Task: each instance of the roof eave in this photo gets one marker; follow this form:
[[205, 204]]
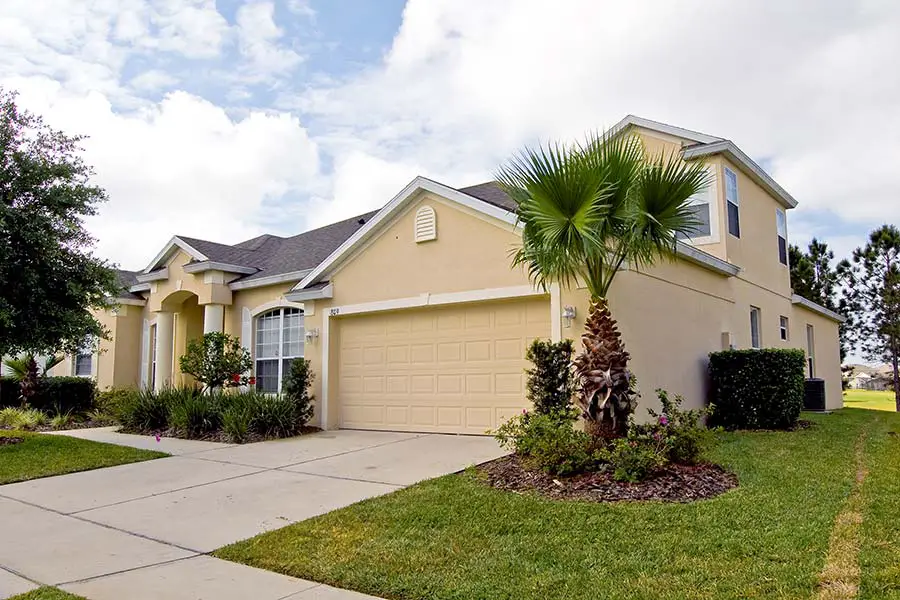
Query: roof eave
[[635, 121], [157, 275], [326, 291], [817, 308], [211, 265], [269, 280], [175, 242], [704, 259], [747, 165]]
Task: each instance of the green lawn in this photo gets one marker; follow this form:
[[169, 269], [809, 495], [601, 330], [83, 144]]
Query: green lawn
[[455, 538], [43, 455], [871, 400], [46, 593]]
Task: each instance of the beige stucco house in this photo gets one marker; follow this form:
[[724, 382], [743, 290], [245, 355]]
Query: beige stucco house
[[414, 320]]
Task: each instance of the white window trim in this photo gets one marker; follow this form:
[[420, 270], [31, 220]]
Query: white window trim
[[712, 200], [784, 325], [737, 200], [280, 358], [811, 350]]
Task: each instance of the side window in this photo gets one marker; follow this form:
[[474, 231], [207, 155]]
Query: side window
[[784, 328], [733, 203], [781, 226], [755, 338]]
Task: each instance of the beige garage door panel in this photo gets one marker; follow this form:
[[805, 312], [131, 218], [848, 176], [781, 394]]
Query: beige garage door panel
[[454, 369]]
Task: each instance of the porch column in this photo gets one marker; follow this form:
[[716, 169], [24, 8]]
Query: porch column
[[213, 318], [164, 341]]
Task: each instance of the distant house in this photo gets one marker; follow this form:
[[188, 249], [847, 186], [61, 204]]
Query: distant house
[[859, 381], [864, 377]]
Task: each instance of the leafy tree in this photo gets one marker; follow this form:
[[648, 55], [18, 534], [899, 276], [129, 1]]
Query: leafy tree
[[814, 277], [873, 300], [216, 360], [586, 210], [49, 279]]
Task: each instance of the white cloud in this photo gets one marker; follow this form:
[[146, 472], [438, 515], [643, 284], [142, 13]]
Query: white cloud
[[152, 80], [812, 88], [179, 167], [258, 37]]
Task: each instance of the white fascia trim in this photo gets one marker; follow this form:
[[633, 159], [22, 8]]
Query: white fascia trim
[[632, 120], [705, 259], [316, 294], [211, 265], [415, 186], [426, 299], [270, 280], [817, 308], [140, 287], [747, 165], [173, 243], [157, 275]]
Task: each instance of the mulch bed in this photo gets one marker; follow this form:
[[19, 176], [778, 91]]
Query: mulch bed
[[9, 440], [677, 483]]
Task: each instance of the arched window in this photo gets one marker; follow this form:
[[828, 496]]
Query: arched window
[[279, 340]]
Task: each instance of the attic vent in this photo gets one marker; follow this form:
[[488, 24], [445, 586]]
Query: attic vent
[[426, 224]]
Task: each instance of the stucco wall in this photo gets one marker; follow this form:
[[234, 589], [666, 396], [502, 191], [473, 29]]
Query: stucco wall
[[827, 350]]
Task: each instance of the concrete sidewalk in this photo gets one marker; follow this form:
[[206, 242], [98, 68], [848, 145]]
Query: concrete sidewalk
[[143, 530]]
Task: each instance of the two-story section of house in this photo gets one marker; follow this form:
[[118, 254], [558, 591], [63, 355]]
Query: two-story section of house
[[413, 318]]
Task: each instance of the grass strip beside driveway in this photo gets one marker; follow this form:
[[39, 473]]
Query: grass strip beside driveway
[[454, 537], [47, 593], [43, 455]]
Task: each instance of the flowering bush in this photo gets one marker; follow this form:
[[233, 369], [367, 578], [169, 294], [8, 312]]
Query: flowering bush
[[686, 438], [548, 442]]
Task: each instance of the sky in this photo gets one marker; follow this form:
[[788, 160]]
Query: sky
[[226, 119]]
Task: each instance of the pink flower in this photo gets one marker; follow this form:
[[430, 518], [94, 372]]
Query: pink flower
[[663, 420], [158, 438]]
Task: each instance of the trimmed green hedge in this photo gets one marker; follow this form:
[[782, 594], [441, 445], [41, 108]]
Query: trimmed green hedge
[[757, 389], [63, 394]]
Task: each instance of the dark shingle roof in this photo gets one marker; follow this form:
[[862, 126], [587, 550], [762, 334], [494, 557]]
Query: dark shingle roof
[[274, 255], [126, 280], [492, 193]]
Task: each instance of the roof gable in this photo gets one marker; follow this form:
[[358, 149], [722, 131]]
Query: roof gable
[[394, 208]]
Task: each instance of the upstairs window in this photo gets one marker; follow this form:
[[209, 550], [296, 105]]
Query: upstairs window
[[784, 328], [732, 203], [781, 226]]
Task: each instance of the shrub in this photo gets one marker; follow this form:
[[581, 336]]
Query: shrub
[[236, 421], [551, 383], [61, 420], [687, 439], [53, 394], [194, 415], [548, 442], [216, 360], [757, 389], [22, 418], [107, 402], [143, 411], [272, 416], [636, 457], [296, 389]]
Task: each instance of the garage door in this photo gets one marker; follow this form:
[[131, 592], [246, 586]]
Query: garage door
[[450, 369]]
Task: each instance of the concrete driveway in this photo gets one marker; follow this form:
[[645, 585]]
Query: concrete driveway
[[143, 530]]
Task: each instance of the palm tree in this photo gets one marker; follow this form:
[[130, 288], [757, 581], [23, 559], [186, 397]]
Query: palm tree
[[586, 210], [26, 372]]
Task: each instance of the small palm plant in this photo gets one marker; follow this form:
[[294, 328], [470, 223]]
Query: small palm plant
[[586, 210], [27, 373]]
